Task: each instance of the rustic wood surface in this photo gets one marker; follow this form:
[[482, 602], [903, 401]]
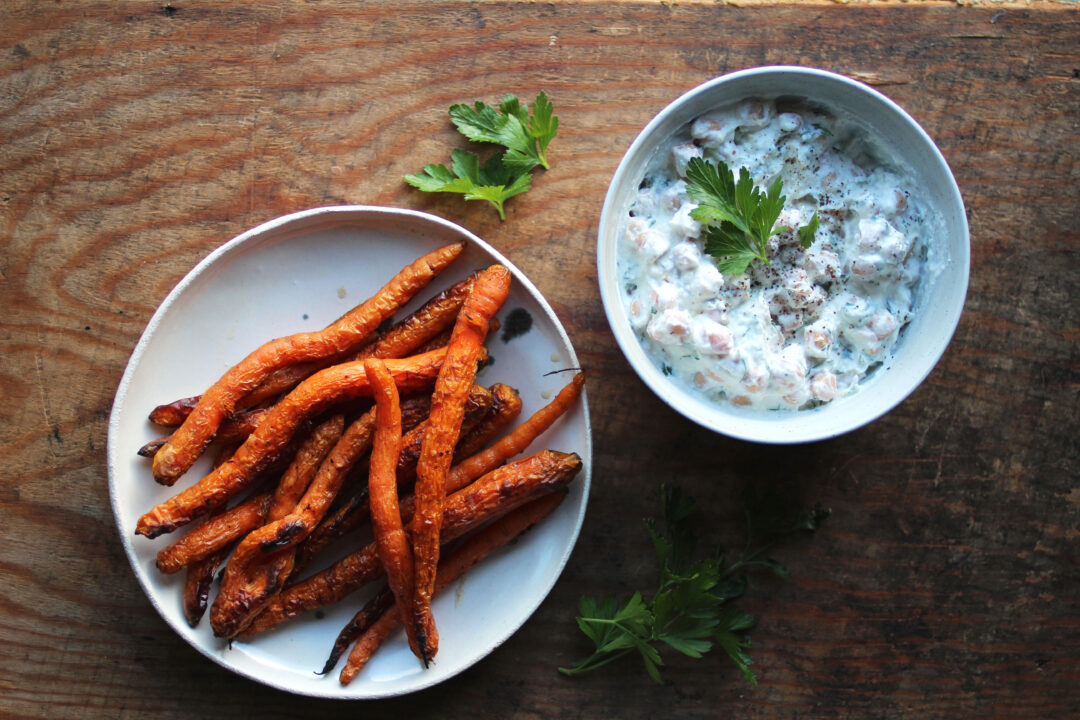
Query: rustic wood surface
[[137, 137]]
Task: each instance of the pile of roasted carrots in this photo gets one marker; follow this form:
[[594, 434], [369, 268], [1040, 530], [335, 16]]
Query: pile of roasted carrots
[[308, 459]]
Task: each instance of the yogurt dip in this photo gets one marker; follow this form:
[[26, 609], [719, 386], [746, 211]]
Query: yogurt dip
[[814, 323]]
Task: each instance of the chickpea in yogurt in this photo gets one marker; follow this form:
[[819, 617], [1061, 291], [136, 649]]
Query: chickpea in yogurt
[[810, 325]]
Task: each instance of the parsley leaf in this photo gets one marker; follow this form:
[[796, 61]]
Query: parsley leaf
[[691, 610], [731, 636], [729, 246], [506, 174], [806, 232], [739, 217], [492, 182], [543, 125], [525, 138]]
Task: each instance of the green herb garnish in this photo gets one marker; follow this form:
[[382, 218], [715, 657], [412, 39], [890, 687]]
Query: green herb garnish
[[524, 133], [806, 232], [526, 138], [739, 218], [691, 610]]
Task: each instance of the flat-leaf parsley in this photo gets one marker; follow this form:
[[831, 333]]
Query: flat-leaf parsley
[[738, 217], [691, 611], [525, 134]]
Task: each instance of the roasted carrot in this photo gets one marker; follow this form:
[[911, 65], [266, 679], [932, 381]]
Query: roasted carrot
[[313, 396], [447, 409], [285, 379], [457, 563], [443, 338], [440, 340], [406, 337], [351, 514], [414, 410], [426, 329], [149, 449], [294, 482], [518, 439], [478, 404], [392, 545], [266, 557], [505, 408], [188, 442], [324, 588], [365, 617], [200, 574], [218, 532], [493, 495], [354, 512], [428, 322], [236, 428], [173, 414], [282, 380]]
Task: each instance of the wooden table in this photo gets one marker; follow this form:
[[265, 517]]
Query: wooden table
[[137, 137]]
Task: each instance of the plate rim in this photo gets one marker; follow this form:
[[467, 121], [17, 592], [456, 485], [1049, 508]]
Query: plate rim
[[344, 212]]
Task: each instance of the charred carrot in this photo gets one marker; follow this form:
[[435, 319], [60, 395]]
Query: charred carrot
[[191, 438], [440, 340], [365, 617], [314, 395], [477, 405], [235, 429], [392, 545], [428, 322], [463, 558], [218, 532], [518, 439], [173, 414], [268, 574], [196, 592], [285, 379], [406, 337], [447, 409], [200, 574], [296, 479], [493, 495], [505, 408]]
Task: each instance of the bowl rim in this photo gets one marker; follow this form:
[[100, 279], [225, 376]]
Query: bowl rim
[[755, 426]]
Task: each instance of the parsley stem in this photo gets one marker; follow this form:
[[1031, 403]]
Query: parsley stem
[[588, 664]]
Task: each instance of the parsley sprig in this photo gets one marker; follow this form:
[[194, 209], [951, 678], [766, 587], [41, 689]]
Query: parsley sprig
[[524, 132], [691, 611], [739, 217]]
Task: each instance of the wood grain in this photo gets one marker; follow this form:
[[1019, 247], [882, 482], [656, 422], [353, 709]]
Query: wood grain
[[137, 137]]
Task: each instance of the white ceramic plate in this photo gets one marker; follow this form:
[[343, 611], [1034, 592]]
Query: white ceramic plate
[[301, 272]]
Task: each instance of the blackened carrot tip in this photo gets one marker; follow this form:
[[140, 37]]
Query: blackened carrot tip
[[422, 642]]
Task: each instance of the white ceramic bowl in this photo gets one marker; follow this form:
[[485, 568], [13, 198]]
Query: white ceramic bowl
[[922, 341], [300, 272]]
